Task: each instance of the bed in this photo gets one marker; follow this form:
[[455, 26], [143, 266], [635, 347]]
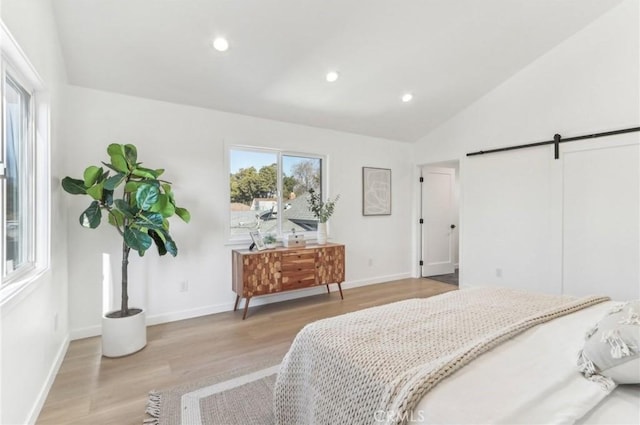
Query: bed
[[527, 374]]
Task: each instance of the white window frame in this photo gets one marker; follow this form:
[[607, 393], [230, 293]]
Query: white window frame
[[15, 63], [233, 239]]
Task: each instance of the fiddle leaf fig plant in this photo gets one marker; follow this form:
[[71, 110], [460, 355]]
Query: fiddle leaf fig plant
[[136, 202]]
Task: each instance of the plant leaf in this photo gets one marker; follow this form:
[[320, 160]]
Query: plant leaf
[[131, 155], [150, 220], [137, 240], [119, 164], [167, 190], [162, 250], [127, 210], [145, 173], [111, 167], [184, 214], [115, 149], [131, 186], [114, 181], [146, 196], [95, 191], [107, 197], [118, 161], [91, 216], [159, 172], [163, 206], [116, 218], [73, 186], [170, 245], [91, 175]]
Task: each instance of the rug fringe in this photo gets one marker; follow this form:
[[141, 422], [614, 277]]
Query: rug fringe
[[153, 408]]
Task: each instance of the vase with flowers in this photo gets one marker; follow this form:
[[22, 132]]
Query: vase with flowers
[[322, 210]]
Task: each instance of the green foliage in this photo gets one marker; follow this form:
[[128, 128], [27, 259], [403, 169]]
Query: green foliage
[[288, 185], [144, 205], [269, 238], [248, 183], [74, 186], [321, 210]]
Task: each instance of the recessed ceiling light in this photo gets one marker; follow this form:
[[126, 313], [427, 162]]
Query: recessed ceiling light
[[221, 44], [332, 76], [407, 97]]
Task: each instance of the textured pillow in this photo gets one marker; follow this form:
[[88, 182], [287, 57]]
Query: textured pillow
[[611, 351]]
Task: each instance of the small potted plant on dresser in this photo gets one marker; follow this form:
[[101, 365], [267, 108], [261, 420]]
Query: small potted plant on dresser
[[269, 240], [140, 216], [322, 211]]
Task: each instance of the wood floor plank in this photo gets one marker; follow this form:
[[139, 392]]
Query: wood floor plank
[[91, 389]]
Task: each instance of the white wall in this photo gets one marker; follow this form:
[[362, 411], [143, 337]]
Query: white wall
[[31, 347], [190, 143], [512, 203]]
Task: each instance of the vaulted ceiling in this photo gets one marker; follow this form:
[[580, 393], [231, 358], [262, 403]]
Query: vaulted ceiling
[[447, 53]]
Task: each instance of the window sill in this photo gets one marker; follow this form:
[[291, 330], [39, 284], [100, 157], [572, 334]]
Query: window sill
[[311, 238], [13, 293]]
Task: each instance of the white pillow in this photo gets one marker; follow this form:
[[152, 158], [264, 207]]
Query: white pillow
[[612, 348]]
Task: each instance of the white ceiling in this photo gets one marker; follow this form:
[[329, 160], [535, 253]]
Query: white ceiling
[[447, 53]]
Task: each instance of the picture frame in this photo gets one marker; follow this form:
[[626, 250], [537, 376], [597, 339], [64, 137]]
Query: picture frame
[[376, 191], [256, 237]]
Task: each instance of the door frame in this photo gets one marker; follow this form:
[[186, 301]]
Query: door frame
[[453, 164]]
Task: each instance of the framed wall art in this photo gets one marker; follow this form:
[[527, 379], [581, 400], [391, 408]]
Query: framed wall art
[[376, 191]]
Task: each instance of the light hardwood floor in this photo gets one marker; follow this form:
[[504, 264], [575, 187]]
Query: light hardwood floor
[[91, 389]]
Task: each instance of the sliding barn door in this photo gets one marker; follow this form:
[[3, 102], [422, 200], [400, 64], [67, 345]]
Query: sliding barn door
[[601, 221]]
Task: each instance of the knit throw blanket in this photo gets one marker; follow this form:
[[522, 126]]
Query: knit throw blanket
[[374, 365]]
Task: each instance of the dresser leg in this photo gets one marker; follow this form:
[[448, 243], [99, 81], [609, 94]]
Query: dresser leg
[[340, 288], [235, 307], [246, 307], [328, 290]]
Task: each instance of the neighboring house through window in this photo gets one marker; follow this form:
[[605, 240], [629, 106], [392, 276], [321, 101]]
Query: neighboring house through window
[[269, 190]]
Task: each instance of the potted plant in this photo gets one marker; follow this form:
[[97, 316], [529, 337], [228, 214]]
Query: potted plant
[[269, 240], [139, 213], [322, 211]]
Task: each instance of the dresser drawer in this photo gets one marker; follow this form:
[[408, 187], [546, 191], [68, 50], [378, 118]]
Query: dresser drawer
[[298, 262], [308, 254], [298, 279], [298, 266]]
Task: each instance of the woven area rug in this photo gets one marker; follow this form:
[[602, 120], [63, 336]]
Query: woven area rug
[[238, 397]]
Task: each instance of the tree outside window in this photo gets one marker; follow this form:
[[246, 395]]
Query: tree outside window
[[268, 191]]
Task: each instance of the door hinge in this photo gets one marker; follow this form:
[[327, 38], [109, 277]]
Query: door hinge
[[421, 179], [421, 263], [421, 221]]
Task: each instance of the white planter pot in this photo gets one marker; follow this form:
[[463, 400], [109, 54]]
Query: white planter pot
[[124, 335], [322, 233]]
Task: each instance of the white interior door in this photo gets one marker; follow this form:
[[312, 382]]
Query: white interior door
[[601, 220], [439, 212]]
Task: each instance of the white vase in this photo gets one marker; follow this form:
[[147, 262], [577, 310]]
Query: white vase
[[123, 335], [322, 234]]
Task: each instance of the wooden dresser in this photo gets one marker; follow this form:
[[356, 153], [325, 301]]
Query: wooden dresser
[[284, 269]]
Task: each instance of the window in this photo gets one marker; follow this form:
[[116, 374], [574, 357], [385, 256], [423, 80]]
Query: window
[[269, 189], [24, 171], [18, 176]]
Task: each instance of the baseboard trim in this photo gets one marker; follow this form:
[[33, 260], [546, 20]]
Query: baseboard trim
[[51, 377], [223, 307], [376, 280]]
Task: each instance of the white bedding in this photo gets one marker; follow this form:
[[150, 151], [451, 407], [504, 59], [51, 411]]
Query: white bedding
[[531, 379]]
